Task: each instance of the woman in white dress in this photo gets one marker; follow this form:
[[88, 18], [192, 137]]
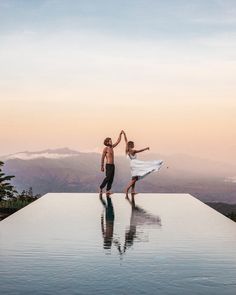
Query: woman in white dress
[[139, 169]]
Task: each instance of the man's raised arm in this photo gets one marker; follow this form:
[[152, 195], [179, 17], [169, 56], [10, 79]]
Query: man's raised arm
[[118, 140]]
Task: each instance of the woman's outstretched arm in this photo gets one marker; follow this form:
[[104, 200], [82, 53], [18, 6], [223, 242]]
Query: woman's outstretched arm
[[142, 150], [126, 143]]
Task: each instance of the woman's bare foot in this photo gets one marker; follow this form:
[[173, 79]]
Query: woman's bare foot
[[108, 193], [126, 193]]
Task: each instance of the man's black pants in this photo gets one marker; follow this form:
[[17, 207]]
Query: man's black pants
[[108, 180]]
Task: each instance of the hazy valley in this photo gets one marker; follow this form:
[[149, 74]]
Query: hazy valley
[[64, 170]]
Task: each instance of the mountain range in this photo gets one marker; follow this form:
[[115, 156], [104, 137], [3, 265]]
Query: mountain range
[[66, 170]]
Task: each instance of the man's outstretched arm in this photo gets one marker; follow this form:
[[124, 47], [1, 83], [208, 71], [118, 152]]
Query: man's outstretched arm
[[118, 140]]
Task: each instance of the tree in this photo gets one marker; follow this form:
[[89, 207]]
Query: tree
[[232, 215], [28, 195], [6, 189]]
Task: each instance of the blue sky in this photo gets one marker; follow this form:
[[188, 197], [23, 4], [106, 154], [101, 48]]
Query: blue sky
[[68, 61], [138, 19]]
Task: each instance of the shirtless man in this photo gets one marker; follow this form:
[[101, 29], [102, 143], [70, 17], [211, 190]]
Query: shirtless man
[[108, 153]]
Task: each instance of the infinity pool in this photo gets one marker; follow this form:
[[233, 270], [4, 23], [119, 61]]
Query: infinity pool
[[150, 244]]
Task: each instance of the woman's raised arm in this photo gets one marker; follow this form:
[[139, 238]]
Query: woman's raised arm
[[126, 143]]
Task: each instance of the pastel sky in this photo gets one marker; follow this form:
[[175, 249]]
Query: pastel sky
[[74, 72]]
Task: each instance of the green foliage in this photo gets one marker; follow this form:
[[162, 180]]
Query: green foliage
[[7, 190], [229, 210], [232, 215], [28, 195], [10, 200], [14, 204], [19, 201]]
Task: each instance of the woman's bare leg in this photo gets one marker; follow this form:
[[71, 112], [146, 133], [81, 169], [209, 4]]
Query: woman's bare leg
[[133, 187], [132, 182]]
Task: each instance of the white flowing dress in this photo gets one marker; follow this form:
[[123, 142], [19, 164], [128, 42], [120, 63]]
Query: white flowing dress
[[141, 169]]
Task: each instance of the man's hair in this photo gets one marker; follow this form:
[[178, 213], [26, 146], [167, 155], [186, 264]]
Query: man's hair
[[130, 144], [106, 141]]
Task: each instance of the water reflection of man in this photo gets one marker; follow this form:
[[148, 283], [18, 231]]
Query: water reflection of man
[[107, 225]]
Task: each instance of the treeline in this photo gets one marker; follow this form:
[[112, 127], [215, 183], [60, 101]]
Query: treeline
[[10, 199], [229, 210]]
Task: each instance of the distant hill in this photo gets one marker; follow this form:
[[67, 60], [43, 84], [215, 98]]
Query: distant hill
[[65, 170]]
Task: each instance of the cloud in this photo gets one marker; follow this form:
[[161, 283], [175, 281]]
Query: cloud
[[231, 179], [32, 156], [67, 64]]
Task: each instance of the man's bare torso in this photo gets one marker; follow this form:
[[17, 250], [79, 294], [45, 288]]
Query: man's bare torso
[[109, 155]]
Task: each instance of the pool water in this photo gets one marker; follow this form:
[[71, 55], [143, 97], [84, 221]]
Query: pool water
[[67, 243]]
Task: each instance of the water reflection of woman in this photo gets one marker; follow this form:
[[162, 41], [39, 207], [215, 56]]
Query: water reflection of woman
[[139, 217], [107, 225]]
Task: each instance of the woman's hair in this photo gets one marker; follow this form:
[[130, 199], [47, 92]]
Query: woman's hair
[[130, 144], [106, 141]]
